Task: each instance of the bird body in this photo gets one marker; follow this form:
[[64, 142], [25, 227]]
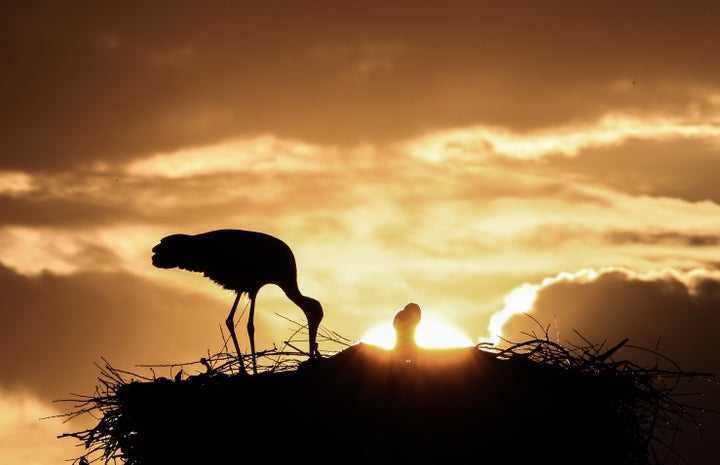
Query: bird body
[[241, 261]]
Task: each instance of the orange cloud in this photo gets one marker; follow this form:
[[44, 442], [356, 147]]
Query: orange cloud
[[15, 183], [480, 142], [259, 154], [27, 433]]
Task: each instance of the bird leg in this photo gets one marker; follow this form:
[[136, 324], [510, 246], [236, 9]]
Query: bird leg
[[314, 350], [251, 331], [230, 323]]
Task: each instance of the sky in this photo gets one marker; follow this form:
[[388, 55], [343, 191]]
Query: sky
[[486, 160]]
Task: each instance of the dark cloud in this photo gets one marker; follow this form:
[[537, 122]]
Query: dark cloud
[[678, 168], [671, 238], [54, 328], [680, 315], [87, 200], [113, 81], [657, 245], [31, 211]]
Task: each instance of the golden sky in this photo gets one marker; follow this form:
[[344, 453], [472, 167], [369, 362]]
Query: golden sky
[[482, 159]]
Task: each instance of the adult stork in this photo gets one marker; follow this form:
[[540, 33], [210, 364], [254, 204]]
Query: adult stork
[[241, 261]]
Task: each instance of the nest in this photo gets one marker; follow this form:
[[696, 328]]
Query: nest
[[534, 400]]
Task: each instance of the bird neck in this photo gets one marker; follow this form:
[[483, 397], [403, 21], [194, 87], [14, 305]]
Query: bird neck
[[299, 299], [310, 306]]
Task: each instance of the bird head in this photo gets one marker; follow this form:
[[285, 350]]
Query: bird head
[[312, 309], [408, 318], [169, 252], [405, 323]]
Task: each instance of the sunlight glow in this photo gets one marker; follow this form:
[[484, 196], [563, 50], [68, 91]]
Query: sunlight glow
[[381, 336], [431, 333], [519, 300]]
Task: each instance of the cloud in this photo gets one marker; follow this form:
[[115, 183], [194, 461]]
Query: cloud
[[671, 309], [56, 327], [262, 154], [621, 237], [27, 433], [64, 250], [132, 87], [681, 168], [474, 144], [472, 215], [31, 210], [15, 183], [357, 62]]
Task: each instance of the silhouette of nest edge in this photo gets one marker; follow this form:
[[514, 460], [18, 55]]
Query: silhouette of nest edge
[[535, 381], [110, 440], [646, 397]]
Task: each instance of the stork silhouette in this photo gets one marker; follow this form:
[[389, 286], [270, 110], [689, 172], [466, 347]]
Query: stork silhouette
[[241, 261]]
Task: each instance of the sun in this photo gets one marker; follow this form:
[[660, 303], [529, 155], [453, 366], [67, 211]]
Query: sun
[[432, 333]]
